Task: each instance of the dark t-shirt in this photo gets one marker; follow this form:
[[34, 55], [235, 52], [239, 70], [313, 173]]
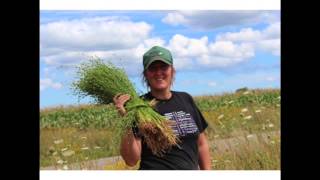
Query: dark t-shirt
[[189, 124]]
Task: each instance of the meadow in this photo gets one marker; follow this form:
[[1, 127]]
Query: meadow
[[244, 133]]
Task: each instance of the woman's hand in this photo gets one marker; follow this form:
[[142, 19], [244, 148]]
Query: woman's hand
[[119, 100]]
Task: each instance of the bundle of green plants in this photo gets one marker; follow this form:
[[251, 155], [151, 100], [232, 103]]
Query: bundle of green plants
[[102, 81]]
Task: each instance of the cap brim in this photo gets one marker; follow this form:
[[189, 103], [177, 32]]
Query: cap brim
[[156, 59]]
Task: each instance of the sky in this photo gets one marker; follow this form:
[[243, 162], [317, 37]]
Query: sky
[[214, 51]]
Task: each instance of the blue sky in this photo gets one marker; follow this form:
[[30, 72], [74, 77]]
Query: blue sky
[[214, 51]]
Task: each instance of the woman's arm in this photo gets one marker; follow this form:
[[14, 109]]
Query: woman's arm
[[204, 153], [130, 147]]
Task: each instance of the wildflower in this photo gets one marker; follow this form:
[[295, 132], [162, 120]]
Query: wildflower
[[64, 149], [244, 110], [258, 111], [248, 117], [68, 153], [271, 125], [250, 136], [221, 116], [84, 148], [58, 141], [60, 161]]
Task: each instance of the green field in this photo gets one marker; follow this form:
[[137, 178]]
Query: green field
[[244, 132]]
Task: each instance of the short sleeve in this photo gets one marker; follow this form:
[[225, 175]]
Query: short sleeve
[[200, 120]]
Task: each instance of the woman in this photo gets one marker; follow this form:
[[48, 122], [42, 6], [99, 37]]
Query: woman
[[192, 152]]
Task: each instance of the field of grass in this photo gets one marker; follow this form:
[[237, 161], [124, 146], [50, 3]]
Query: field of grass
[[244, 132]]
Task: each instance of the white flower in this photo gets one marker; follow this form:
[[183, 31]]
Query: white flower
[[271, 125], [221, 116], [68, 153], [258, 111], [64, 149], [85, 148], [60, 161], [250, 136], [244, 110], [248, 117], [58, 141], [65, 167]]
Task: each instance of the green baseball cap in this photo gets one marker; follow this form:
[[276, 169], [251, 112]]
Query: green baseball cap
[[157, 53]]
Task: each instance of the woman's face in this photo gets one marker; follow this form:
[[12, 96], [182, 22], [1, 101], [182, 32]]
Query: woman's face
[[159, 75]]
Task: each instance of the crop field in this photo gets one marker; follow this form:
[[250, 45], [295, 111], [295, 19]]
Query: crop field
[[243, 133]]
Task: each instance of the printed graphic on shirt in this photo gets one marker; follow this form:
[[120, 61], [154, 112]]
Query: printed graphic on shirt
[[185, 124]]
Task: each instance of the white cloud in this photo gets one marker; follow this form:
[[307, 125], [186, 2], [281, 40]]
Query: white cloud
[[174, 19], [91, 34], [184, 46], [212, 84], [216, 19], [270, 45], [267, 39], [48, 83], [191, 53], [273, 31], [229, 49], [246, 34], [271, 79], [67, 43]]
